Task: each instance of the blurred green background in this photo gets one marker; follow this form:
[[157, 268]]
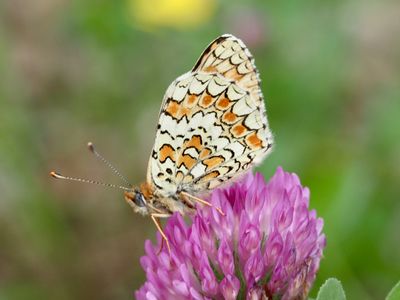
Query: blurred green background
[[79, 71]]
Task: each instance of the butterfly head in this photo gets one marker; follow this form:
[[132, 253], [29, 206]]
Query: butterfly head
[[137, 201]]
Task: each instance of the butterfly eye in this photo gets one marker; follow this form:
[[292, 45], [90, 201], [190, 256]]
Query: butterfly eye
[[139, 200]]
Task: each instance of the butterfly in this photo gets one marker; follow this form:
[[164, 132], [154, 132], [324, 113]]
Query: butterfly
[[212, 127]]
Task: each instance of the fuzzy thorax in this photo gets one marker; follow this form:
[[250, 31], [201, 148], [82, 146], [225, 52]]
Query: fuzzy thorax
[[146, 201]]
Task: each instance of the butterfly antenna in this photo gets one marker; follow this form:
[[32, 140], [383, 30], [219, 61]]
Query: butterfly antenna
[[59, 176], [107, 163]]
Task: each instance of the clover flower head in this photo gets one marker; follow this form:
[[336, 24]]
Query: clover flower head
[[267, 246]]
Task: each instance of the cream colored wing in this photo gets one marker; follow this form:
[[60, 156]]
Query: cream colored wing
[[212, 124]]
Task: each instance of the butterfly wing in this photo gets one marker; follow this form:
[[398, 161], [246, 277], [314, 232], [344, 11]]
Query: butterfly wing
[[229, 56], [212, 124]]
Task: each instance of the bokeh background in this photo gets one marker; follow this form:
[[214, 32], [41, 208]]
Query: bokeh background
[[79, 71]]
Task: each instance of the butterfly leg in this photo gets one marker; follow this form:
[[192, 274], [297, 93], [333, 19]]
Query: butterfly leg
[[156, 220], [204, 202]]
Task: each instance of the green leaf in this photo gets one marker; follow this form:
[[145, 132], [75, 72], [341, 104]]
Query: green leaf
[[394, 294], [331, 290]]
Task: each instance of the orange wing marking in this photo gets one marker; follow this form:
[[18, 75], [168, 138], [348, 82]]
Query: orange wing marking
[[195, 142], [213, 161], [204, 153], [253, 141], [229, 117], [223, 103], [234, 74], [166, 151], [191, 99], [176, 110], [210, 176], [211, 69], [187, 161], [238, 130], [206, 101]]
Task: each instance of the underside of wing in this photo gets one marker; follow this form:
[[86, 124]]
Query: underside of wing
[[229, 56], [212, 124]]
